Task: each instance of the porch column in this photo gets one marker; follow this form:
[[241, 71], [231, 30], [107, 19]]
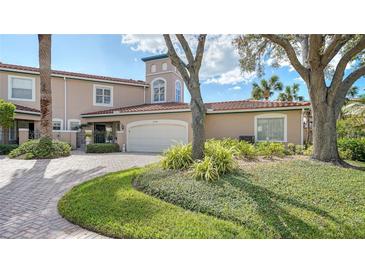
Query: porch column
[[23, 135], [120, 140]]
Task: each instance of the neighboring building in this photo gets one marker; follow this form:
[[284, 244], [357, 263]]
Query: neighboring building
[[145, 115]]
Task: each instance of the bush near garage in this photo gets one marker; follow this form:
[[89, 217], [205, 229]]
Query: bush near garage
[[7, 148], [355, 145], [102, 148]]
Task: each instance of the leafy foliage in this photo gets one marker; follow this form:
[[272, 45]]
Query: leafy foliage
[[351, 127], [290, 94], [266, 88], [41, 149], [354, 145], [7, 148], [102, 148], [206, 170], [7, 112], [270, 149], [178, 157]]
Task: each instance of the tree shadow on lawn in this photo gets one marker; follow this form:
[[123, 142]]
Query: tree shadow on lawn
[[270, 207]]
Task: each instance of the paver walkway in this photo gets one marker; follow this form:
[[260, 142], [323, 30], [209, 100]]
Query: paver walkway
[[30, 190]]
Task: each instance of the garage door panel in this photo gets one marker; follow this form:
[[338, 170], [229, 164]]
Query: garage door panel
[[156, 136]]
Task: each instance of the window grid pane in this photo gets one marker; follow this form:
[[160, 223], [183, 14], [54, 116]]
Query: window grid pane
[[159, 91], [22, 88], [270, 129]]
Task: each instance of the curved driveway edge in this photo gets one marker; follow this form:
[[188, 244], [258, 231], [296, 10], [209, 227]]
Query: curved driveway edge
[[30, 190]]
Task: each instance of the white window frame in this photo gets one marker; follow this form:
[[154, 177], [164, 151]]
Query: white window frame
[[57, 120], [69, 121], [164, 66], [152, 91], [10, 88], [153, 68], [273, 115], [103, 87], [178, 81]]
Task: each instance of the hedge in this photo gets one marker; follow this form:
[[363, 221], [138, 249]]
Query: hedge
[[6, 148], [102, 148], [355, 145]]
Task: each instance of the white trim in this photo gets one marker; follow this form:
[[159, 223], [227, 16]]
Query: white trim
[[27, 112], [23, 129], [57, 120], [152, 95], [95, 86], [273, 115], [162, 66], [158, 121], [69, 121], [137, 112], [75, 77], [210, 111], [178, 81], [153, 68], [10, 87], [302, 127], [164, 72]]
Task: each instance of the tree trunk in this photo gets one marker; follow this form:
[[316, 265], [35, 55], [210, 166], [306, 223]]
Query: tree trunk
[[198, 124], [324, 134], [5, 136], [45, 79]]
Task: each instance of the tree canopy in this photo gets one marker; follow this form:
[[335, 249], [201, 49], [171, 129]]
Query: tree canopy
[[7, 113]]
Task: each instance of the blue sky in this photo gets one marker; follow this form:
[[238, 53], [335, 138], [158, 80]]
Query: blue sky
[[120, 56]]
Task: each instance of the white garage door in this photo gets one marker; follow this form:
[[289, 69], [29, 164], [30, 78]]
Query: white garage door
[[155, 135]]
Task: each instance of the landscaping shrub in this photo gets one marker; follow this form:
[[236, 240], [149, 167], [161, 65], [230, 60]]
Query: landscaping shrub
[[308, 151], [178, 157], [246, 150], [206, 170], [221, 157], [299, 149], [102, 148], [291, 149], [7, 148], [44, 148], [355, 145], [270, 149]]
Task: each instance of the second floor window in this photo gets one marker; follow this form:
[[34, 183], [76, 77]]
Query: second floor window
[[178, 91], [21, 88], [103, 96], [159, 90]]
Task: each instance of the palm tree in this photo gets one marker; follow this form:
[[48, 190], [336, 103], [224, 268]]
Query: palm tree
[[45, 43], [266, 88], [290, 94], [353, 92]]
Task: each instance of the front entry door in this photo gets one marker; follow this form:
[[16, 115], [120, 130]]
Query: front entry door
[[100, 133]]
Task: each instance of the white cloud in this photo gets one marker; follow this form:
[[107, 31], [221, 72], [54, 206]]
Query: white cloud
[[236, 88], [220, 62], [299, 79]]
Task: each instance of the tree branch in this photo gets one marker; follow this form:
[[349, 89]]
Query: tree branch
[[316, 42], [293, 58], [346, 58], [335, 45], [199, 52], [175, 59], [351, 78], [184, 44]]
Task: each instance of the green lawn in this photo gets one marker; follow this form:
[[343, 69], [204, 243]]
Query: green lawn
[[291, 199], [110, 206]]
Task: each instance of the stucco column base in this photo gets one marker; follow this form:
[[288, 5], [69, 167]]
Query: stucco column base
[[23, 135]]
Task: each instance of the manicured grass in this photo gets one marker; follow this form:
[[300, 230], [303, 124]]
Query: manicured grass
[[356, 163], [110, 206], [291, 199]]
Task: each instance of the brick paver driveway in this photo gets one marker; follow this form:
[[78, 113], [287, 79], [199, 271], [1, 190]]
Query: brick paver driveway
[[30, 190]]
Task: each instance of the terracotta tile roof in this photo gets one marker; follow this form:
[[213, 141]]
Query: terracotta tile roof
[[218, 106], [23, 108], [252, 104], [142, 108], [73, 74]]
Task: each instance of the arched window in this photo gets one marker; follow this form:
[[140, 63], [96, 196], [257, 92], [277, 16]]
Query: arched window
[[159, 90], [178, 91]]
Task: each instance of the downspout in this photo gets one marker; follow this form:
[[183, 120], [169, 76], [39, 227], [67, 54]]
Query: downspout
[[65, 90], [144, 94]]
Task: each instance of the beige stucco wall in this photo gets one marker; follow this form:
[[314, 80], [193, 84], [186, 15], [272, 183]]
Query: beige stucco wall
[[171, 75], [236, 124], [217, 125], [79, 95]]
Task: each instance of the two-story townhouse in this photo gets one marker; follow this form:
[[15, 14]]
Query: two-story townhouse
[[145, 115]]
